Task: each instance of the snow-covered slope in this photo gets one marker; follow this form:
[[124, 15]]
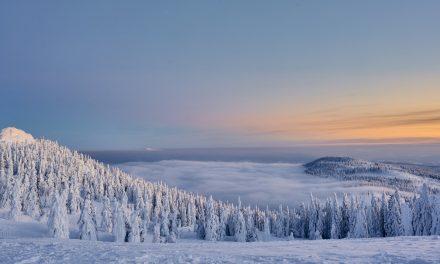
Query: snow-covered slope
[[14, 135], [48, 191], [405, 178]]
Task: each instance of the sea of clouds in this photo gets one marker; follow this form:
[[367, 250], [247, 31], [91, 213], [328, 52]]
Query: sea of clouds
[[256, 183]]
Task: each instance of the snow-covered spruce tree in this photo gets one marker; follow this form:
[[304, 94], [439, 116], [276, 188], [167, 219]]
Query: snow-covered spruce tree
[[239, 224], [266, 230], [165, 221], [211, 222], [303, 221], [279, 223], [327, 219], [407, 216], [145, 222], [315, 219], [119, 229], [133, 235], [3, 178], [335, 229], [106, 216], [375, 225], [73, 198], [9, 180], [15, 211], [345, 216], [200, 223], [87, 227], [360, 226], [393, 220], [32, 204], [156, 233], [435, 213], [383, 214], [223, 221], [354, 205], [423, 213], [174, 233], [58, 222], [251, 229]]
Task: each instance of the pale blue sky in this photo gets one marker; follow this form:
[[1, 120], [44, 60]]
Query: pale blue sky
[[128, 74]]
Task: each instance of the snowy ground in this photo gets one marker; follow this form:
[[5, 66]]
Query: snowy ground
[[26, 241], [256, 183], [384, 250]]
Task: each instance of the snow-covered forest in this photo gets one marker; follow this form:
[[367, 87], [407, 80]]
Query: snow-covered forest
[[56, 186]]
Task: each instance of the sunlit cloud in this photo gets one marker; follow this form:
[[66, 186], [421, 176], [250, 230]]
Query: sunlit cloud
[[348, 126]]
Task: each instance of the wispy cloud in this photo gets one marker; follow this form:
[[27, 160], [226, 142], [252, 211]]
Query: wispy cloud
[[346, 125]]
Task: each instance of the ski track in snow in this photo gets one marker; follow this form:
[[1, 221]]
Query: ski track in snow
[[383, 250]]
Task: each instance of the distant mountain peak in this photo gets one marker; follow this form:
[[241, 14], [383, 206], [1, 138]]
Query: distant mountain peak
[[15, 135]]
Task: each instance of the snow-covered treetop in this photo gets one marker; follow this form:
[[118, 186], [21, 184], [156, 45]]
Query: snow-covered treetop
[[14, 135]]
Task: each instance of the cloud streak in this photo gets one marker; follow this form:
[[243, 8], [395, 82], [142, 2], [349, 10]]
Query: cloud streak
[[345, 126]]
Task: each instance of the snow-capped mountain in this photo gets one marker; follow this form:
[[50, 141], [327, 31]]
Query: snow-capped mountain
[[14, 135], [78, 197]]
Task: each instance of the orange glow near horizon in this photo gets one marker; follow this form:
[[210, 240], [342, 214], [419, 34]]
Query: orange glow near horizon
[[345, 125]]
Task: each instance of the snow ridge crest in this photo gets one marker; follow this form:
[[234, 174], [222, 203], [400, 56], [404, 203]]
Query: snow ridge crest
[[15, 135]]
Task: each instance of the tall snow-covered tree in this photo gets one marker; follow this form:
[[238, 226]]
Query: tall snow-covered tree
[[58, 222], [106, 215], [119, 229], [16, 200], [361, 224], [393, 220], [211, 222], [133, 234], [239, 224], [423, 213], [407, 217], [435, 215], [87, 227], [335, 229]]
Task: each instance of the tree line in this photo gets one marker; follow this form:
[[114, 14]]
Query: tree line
[[54, 185]]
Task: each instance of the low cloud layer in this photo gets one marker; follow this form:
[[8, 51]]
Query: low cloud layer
[[255, 183]]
